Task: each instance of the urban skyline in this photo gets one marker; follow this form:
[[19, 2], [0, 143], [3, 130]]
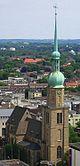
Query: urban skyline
[[32, 19]]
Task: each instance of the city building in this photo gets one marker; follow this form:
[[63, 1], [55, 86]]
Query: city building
[[12, 48], [74, 154], [4, 116], [73, 119], [72, 84], [75, 105], [33, 94], [17, 124], [24, 127]]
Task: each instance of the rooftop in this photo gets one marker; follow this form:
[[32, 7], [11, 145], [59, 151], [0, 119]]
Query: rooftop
[[30, 60], [16, 116], [29, 145], [34, 128], [12, 163], [75, 146], [6, 112]]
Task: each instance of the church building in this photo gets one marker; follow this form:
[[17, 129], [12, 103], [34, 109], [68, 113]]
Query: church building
[[55, 115]]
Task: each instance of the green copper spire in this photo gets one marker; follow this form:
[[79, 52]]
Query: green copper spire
[[56, 78], [55, 34], [55, 54]]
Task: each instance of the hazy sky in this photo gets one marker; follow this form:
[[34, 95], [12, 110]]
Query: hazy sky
[[35, 19]]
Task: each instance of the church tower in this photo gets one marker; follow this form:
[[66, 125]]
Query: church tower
[[55, 115]]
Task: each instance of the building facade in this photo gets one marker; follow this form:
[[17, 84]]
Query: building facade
[[74, 119], [4, 116], [34, 94]]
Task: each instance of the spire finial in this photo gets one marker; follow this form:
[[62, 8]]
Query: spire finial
[[55, 34], [55, 7]]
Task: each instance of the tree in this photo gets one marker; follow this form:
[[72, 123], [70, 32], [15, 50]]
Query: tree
[[78, 124], [64, 160], [44, 92], [73, 136], [11, 151], [43, 80]]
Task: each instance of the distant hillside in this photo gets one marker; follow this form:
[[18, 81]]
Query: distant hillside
[[62, 41]]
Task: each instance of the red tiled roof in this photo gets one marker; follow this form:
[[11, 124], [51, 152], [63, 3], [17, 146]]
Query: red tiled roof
[[30, 60], [71, 84]]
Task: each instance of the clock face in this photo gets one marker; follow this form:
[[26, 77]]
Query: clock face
[[59, 92], [59, 98]]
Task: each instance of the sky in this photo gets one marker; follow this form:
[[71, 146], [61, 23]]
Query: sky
[[34, 19]]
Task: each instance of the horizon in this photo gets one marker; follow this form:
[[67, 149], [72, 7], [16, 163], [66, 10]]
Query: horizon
[[37, 39]]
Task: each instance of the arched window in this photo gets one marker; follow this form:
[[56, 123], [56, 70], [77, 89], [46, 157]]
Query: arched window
[[59, 152]]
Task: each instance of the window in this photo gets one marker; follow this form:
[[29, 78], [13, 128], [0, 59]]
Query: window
[[59, 117], [76, 119], [47, 117], [3, 131], [59, 152], [59, 134]]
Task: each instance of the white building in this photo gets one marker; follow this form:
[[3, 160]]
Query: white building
[[74, 154], [4, 116], [3, 49], [12, 49], [73, 119]]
